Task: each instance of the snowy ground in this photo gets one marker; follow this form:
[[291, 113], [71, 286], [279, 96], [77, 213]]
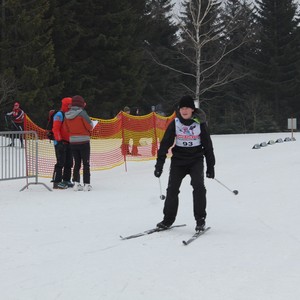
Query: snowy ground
[[65, 245]]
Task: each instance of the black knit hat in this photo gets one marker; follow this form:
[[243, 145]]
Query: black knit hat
[[78, 101], [187, 101]]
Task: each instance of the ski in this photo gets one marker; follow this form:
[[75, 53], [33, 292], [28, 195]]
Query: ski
[[150, 231], [195, 236]]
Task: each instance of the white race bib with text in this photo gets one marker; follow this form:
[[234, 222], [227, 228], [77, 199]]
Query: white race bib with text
[[187, 135]]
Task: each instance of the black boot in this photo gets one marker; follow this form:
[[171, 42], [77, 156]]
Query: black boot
[[68, 183], [200, 225], [164, 224], [59, 186]]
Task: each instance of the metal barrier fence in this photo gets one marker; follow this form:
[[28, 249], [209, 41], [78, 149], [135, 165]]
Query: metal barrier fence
[[19, 156]]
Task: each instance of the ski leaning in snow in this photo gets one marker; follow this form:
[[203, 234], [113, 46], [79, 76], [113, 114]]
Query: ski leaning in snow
[[195, 236], [150, 231]]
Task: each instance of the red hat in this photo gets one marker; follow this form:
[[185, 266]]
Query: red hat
[[78, 101], [66, 103]]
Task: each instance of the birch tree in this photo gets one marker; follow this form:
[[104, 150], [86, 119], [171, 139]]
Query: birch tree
[[207, 41]]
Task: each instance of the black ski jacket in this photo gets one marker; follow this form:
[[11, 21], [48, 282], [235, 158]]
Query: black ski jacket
[[182, 155]]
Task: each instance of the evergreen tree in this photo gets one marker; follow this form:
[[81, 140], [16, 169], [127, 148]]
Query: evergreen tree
[[162, 87], [234, 111], [278, 57], [106, 61], [65, 37], [27, 54]]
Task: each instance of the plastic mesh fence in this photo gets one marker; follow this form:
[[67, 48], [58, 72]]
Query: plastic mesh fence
[[113, 141]]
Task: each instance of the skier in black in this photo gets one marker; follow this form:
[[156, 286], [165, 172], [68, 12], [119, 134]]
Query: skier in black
[[192, 142], [16, 118]]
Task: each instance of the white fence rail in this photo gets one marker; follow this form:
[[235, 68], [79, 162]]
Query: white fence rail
[[19, 156]]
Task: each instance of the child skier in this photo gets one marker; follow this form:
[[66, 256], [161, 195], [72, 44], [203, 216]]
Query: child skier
[[192, 142]]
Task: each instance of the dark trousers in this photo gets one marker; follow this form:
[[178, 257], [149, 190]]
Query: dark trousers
[[64, 163], [81, 153], [177, 173], [17, 127]]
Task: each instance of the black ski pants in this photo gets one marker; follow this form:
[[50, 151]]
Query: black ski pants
[[177, 173], [81, 153], [64, 163]]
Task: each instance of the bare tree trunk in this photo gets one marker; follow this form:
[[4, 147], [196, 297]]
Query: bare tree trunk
[[199, 38]]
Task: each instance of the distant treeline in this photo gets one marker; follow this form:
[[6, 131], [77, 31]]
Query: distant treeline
[[241, 61]]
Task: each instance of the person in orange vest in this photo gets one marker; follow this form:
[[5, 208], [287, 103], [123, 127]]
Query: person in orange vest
[[79, 126], [16, 117]]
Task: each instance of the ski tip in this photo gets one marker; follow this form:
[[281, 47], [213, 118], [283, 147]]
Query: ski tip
[[184, 243]]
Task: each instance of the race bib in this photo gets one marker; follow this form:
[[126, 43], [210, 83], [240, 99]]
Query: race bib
[[187, 135]]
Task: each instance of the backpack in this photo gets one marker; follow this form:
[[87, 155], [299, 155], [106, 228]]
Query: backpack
[[49, 126]]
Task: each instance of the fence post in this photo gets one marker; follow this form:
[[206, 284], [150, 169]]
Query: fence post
[[155, 144]]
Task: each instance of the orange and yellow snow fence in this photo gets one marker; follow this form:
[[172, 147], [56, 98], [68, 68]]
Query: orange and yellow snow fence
[[113, 142]]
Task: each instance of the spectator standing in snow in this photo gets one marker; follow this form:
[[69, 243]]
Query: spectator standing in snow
[[16, 119], [192, 143], [64, 160], [79, 126]]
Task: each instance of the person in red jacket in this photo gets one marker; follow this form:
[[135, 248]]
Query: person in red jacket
[[17, 120], [64, 160], [79, 126]]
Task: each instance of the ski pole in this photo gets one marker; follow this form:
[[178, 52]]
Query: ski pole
[[162, 197], [234, 191]]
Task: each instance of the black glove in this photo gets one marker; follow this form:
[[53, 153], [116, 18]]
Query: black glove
[[210, 173], [158, 171], [59, 146]]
